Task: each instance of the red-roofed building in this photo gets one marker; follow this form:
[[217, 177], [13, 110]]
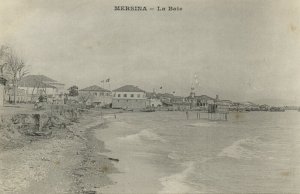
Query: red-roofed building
[[129, 97]]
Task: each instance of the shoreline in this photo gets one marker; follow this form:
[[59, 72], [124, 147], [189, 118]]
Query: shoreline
[[127, 154], [93, 169], [68, 161], [135, 175]]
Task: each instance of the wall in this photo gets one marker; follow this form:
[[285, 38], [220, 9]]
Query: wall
[[29, 90], [103, 98], [142, 95], [154, 103], [129, 103]]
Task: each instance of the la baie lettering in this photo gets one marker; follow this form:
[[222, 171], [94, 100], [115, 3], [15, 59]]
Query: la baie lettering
[[170, 8], [175, 8]]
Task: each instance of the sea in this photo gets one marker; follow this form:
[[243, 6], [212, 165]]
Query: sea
[[164, 152]]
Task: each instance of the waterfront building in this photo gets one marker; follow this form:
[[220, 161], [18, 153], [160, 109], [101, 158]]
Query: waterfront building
[[129, 97], [153, 100], [36, 85], [97, 96], [200, 102]]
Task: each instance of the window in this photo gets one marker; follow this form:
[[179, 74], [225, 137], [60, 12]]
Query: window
[[131, 95], [125, 95], [95, 93], [119, 95], [138, 95], [114, 94]]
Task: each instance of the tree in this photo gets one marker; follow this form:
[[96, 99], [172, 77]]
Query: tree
[[16, 70], [84, 97], [38, 86], [4, 50], [73, 91]]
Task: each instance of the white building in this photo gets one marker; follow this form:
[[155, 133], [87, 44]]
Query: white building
[[153, 100], [36, 85], [97, 95], [129, 97]]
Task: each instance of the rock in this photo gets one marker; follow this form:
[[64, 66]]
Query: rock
[[114, 159]]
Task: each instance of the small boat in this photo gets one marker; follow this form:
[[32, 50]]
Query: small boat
[[128, 109], [148, 110], [277, 109]]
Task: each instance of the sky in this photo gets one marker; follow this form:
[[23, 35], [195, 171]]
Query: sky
[[243, 50]]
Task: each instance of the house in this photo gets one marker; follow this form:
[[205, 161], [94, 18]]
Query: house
[[97, 96], [178, 99], [36, 85], [164, 98], [180, 103], [223, 105], [153, 100], [249, 106], [200, 102], [19, 95], [129, 97], [225, 102], [264, 107], [2, 84]]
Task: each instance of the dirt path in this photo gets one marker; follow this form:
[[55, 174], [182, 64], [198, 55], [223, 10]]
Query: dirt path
[[68, 162]]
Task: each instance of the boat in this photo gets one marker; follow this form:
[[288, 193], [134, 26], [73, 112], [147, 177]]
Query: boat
[[277, 109], [148, 110]]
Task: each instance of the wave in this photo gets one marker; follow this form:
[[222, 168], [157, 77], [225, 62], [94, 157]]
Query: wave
[[177, 183], [173, 155], [201, 124], [143, 135], [242, 149], [94, 124]]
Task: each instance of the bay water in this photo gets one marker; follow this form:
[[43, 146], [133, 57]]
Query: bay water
[[163, 152]]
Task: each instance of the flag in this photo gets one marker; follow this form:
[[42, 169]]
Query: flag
[[107, 80]]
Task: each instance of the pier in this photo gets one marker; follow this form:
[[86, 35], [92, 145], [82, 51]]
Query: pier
[[214, 112], [216, 116]]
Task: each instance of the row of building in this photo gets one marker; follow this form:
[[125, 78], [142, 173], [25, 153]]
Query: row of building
[[126, 97]]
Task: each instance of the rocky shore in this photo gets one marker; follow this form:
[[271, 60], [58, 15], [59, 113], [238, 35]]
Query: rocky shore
[[65, 158]]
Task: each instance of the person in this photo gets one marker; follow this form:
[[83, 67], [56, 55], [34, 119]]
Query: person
[[115, 116], [187, 115]]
